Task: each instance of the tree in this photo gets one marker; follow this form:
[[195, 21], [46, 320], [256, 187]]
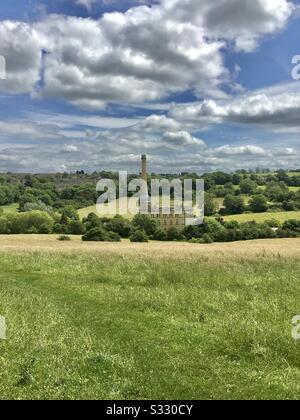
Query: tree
[[247, 186], [120, 226], [259, 204], [95, 235], [210, 206], [139, 236], [76, 227], [234, 204], [145, 223], [69, 214]]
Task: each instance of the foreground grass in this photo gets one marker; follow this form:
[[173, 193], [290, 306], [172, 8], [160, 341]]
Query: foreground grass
[[83, 326]]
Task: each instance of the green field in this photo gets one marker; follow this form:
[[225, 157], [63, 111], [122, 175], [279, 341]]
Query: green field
[[282, 216], [84, 326]]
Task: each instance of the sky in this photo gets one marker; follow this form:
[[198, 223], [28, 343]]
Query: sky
[[196, 85]]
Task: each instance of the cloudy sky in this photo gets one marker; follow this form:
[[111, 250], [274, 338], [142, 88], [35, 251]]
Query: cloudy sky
[[197, 85]]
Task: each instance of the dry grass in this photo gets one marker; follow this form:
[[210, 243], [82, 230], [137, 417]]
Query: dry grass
[[160, 250]]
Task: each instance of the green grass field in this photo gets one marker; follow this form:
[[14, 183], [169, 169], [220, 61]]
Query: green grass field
[[83, 326], [262, 217]]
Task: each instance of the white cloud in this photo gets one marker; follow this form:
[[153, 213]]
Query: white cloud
[[277, 109], [141, 55], [182, 138], [244, 22]]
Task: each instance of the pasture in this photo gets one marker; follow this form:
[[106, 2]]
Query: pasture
[[281, 216], [157, 320]]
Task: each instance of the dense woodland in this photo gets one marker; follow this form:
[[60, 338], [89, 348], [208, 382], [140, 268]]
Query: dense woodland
[[49, 204]]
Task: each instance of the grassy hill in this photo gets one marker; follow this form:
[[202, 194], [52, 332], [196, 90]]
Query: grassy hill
[[93, 209], [101, 326]]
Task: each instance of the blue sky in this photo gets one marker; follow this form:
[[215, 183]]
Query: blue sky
[[194, 86]]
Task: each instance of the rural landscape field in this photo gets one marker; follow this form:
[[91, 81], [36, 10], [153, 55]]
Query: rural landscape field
[[149, 203], [110, 314], [150, 322]]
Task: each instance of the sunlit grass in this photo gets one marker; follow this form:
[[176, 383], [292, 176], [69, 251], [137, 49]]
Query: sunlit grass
[[282, 216], [85, 326]]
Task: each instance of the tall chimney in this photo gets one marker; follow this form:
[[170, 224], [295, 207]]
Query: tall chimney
[[144, 168]]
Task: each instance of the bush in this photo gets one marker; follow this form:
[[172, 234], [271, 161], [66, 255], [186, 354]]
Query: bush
[[120, 226], [206, 239], [145, 223], [285, 233], [32, 231], [95, 235], [234, 205], [76, 228], [25, 222], [259, 204], [160, 235], [293, 225], [92, 221], [44, 229], [113, 237], [174, 235], [139, 236], [273, 223], [64, 238], [214, 229]]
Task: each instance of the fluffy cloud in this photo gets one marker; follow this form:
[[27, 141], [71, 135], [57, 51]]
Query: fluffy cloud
[[276, 108], [58, 147], [29, 130], [141, 55], [21, 46], [181, 138], [244, 22]]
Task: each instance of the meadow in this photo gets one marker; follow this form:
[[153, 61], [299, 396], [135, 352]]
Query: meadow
[[280, 216], [139, 321]]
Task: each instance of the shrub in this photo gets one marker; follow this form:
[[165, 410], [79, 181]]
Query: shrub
[[160, 235], [206, 239], [76, 228], [273, 223], [174, 235], [195, 241], [113, 237], [37, 206], [24, 222], [32, 231], [95, 235], [214, 229], [92, 221], [120, 226], [145, 223], [293, 225], [285, 233], [44, 229], [139, 236], [64, 238], [234, 205], [259, 204], [193, 232]]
